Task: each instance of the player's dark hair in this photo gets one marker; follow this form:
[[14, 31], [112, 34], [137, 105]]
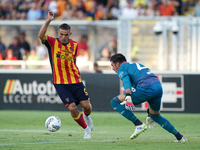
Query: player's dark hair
[[64, 26], [118, 58]]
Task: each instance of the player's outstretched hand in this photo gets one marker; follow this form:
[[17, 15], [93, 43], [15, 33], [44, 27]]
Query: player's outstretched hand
[[50, 15], [128, 103]]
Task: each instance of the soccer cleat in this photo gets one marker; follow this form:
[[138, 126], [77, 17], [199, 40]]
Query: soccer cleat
[[88, 121], [183, 140], [87, 133], [151, 123], [139, 129]]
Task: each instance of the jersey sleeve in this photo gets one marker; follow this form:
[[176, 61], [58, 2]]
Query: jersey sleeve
[[123, 75], [48, 40]]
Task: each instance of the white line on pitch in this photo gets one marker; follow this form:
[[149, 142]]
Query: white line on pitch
[[91, 140]]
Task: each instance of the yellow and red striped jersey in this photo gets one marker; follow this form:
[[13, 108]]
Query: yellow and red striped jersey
[[62, 60]]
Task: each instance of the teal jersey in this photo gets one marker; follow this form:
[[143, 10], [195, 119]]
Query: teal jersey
[[133, 73]]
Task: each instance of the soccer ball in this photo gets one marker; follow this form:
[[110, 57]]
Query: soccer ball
[[53, 123]]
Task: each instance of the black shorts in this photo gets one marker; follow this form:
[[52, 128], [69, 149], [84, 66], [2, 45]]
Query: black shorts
[[70, 93]]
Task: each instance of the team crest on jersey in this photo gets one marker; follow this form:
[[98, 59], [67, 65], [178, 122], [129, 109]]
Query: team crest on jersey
[[70, 48]]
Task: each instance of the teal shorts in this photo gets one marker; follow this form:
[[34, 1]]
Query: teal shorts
[[151, 94]]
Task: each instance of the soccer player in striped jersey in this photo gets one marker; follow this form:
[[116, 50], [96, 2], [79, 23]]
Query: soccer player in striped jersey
[[65, 74], [141, 85]]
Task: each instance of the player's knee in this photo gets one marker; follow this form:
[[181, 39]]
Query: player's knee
[[72, 107], [115, 102], [87, 108], [86, 105], [155, 117]]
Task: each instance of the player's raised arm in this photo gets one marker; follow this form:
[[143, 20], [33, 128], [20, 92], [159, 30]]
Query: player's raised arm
[[43, 29]]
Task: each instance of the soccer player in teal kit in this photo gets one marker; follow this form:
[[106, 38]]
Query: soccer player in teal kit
[[140, 85]]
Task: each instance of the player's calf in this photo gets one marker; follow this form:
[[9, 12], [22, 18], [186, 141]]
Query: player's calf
[[115, 103]]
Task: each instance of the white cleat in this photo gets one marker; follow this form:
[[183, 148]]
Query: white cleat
[[87, 133], [183, 140], [138, 130], [88, 121], [151, 123]]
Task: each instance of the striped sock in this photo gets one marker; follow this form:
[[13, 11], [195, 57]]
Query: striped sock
[[87, 114], [79, 119]]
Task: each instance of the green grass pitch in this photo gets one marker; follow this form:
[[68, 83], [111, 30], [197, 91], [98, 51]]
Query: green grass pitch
[[25, 130]]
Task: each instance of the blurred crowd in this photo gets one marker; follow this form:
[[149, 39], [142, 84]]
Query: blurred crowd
[[20, 49], [90, 9]]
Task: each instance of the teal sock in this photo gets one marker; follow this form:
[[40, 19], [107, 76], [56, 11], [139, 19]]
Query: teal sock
[[164, 123], [115, 103]]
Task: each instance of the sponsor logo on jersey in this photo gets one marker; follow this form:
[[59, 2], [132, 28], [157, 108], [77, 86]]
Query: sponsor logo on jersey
[[61, 56]]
